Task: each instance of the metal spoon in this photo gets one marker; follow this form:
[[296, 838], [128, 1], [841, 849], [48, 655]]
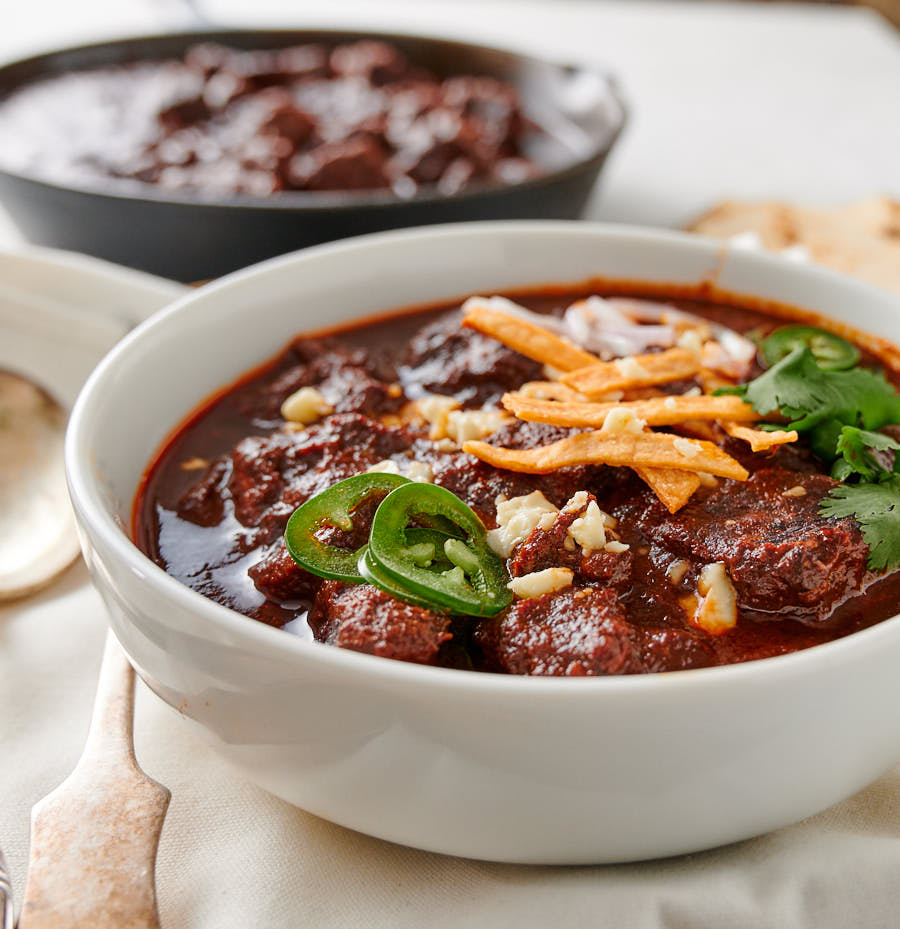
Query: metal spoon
[[38, 539]]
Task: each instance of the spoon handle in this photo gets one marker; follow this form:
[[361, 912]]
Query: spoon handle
[[6, 898], [94, 838]]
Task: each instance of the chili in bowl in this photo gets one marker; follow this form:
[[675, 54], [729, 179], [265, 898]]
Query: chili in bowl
[[582, 468]]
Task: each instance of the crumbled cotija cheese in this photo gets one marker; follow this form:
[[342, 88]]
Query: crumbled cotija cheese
[[691, 340], [516, 518], [616, 547], [435, 409], [467, 425], [693, 392], [578, 501], [420, 472], [305, 405], [415, 470], [796, 491], [631, 368], [716, 611], [541, 582], [669, 403], [589, 530], [686, 447], [621, 419], [384, 467]]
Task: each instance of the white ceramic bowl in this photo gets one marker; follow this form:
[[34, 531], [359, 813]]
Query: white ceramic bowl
[[482, 765]]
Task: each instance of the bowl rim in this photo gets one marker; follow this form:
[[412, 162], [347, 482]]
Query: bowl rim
[[291, 648], [311, 201]]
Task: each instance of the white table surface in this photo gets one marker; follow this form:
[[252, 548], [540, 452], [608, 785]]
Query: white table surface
[[727, 101]]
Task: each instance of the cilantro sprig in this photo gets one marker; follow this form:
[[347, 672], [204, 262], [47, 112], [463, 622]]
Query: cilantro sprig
[[856, 447], [876, 507], [820, 402], [838, 412]]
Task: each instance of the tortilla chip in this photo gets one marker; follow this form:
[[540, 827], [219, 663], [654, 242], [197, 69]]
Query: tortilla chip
[[528, 339], [674, 488], [760, 441], [660, 411], [550, 390], [700, 429], [634, 371], [619, 449]]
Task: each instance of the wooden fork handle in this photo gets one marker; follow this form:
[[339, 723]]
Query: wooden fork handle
[[94, 838]]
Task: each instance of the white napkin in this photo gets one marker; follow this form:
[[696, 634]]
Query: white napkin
[[232, 855]]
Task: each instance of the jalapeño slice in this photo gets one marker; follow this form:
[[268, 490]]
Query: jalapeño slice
[[475, 581], [334, 509], [373, 574], [832, 353]]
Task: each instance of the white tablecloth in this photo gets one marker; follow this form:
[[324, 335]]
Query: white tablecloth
[[730, 101]]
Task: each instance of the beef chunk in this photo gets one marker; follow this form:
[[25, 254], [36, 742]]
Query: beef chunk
[[376, 62], [184, 112], [571, 633], [365, 619], [520, 434], [551, 548], [278, 115], [274, 474], [351, 380], [490, 106], [669, 649], [444, 358], [357, 163], [783, 557], [794, 456], [479, 484], [278, 577], [203, 504]]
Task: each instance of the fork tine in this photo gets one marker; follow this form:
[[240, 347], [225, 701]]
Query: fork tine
[[6, 899]]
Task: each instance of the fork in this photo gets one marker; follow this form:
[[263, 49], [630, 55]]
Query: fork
[[6, 898], [94, 838]]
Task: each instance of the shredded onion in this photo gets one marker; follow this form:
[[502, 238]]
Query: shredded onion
[[601, 327], [614, 327], [737, 353]]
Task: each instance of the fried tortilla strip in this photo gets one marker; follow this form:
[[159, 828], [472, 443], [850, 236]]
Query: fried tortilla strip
[[619, 449], [674, 488], [659, 411], [550, 390], [528, 339], [634, 371], [760, 441]]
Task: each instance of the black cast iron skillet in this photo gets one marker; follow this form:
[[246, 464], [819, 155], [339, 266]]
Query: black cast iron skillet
[[190, 237]]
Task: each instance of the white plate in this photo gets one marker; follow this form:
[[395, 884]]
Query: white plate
[[59, 314]]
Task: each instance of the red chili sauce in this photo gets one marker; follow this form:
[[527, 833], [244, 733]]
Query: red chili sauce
[[214, 503]]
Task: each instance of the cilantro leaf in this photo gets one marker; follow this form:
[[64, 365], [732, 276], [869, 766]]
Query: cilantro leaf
[[838, 413], [876, 507], [809, 396], [855, 447]]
